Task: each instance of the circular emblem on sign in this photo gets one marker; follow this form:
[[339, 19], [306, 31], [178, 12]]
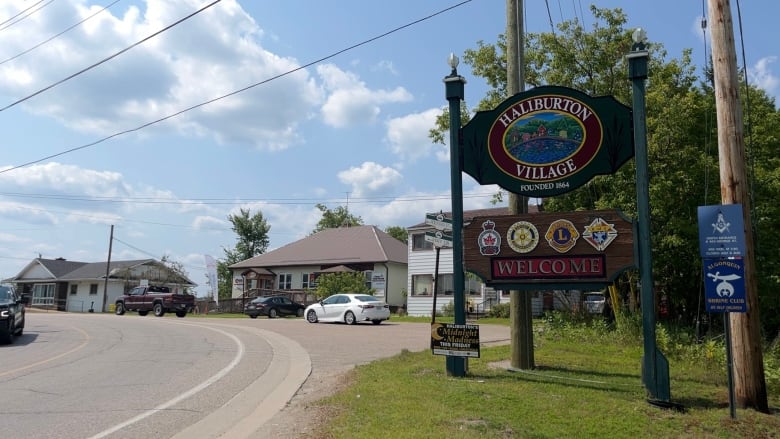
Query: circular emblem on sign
[[562, 235], [522, 237], [545, 138]]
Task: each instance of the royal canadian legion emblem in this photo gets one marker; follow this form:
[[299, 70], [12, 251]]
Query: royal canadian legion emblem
[[600, 234], [562, 235], [522, 237], [489, 240]]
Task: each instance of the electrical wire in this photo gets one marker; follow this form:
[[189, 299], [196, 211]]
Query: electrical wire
[[109, 58], [241, 90], [231, 201], [8, 23], [749, 129], [59, 34]]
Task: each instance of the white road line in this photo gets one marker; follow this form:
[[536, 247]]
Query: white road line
[[219, 375]]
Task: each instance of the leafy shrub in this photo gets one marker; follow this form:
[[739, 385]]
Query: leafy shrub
[[499, 310], [448, 310]]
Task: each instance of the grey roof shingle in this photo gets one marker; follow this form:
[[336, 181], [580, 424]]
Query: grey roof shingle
[[64, 270], [346, 245]]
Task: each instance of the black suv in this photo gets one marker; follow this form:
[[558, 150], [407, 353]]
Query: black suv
[[11, 314]]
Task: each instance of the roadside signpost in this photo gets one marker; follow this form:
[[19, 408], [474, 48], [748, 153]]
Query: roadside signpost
[[722, 247]]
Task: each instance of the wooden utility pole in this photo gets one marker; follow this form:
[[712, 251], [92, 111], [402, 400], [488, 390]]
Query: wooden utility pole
[[749, 381], [521, 318]]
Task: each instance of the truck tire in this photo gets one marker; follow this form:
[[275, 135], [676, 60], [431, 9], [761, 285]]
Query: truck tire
[[159, 311], [181, 314], [119, 308], [143, 313]]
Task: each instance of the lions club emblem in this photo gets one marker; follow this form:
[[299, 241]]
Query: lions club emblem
[[562, 235]]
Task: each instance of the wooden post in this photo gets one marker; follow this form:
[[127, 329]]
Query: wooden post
[[749, 381], [521, 318]]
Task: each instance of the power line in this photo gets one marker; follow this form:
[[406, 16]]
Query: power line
[[59, 34], [104, 60], [228, 201], [241, 90], [8, 23]]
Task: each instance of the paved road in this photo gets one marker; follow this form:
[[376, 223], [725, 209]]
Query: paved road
[[92, 375]]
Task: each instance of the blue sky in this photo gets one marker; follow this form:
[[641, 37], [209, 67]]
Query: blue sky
[[349, 130]]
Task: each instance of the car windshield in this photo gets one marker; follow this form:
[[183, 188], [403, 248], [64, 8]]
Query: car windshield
[[5, 293]]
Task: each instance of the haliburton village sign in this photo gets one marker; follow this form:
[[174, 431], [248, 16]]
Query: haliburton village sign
[[547, 141], [543, 142]]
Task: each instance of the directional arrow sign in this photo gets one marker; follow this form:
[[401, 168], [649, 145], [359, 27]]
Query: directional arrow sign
[[439, 239], [438, 221]]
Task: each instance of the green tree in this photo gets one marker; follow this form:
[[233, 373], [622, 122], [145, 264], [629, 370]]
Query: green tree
[[178, 273], [333, 283], [335, 218], [681, 141], [252, 240], [398, 232]]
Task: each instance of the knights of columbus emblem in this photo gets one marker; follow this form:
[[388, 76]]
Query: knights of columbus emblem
[[489, 240], [600, 234]]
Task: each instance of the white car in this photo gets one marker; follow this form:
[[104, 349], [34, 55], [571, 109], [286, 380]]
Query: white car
[[595, 302], [348, 308]]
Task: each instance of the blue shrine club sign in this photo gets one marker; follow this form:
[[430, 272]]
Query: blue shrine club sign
[[547, 141]]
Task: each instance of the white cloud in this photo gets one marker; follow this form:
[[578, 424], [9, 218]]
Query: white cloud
[[370, 179], [208, 222], [212, 54], [350, 101], [408, 136], [763, 77]]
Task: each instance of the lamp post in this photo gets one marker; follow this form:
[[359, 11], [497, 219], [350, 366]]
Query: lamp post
[[454, 91], [655, 368]]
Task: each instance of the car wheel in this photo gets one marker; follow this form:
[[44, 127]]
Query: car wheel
[[272, 313], [376, 322], [252, 316], [311, 317], [119, 308], [181, 314], [7, 334], [349, 318], [159, 311], [299, 313], [143, 313]]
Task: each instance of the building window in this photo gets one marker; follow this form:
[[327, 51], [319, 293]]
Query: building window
[[93, 289], [285, 281], [473, 286], [307, 281], [419, 243], [369, 275], [422, 285], [446, 285], [74, 289], [43, 294]]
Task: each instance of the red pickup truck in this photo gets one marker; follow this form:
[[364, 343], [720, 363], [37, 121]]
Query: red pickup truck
[[153, 298]]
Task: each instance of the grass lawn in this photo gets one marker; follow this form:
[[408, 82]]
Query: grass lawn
[[586, 383]]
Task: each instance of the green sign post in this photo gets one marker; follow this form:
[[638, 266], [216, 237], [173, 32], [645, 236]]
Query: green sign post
[[655, 367]]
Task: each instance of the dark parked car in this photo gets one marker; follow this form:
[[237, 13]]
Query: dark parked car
[[11, 314], [273, 307]]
